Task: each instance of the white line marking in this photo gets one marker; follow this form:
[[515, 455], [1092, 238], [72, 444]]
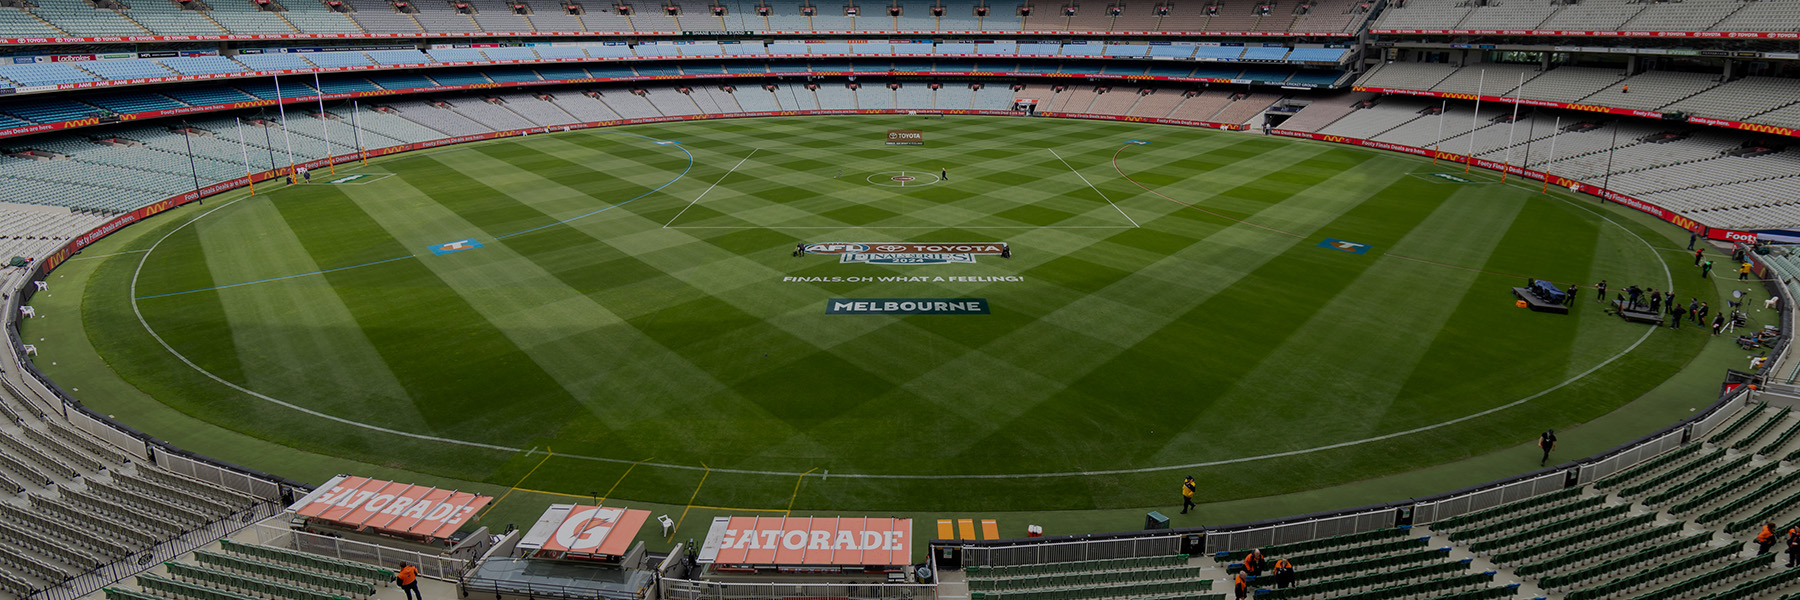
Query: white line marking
[[1090, 185], [209, 375], [715, 184], [134, 278], [904, 227]]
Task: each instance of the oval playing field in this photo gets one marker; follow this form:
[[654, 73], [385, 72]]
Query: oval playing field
[[1267, 314]]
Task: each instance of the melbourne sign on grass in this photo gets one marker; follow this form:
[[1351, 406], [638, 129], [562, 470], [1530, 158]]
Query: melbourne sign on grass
[[906, 306]]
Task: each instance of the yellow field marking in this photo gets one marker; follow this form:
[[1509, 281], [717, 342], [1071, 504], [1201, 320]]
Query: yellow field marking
[[690, 504], [547, 454], [615, 485], [796, 496]]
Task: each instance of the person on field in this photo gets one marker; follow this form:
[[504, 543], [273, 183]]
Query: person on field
[[1743, 271], [1284, 573], [409, 581], [1700, 317], [1693, 308], [1634, 293], [1253, 562], [1692, 237], [1718, 324], [1240, 587], [1793, 547], [1569, 300], [1699, 254], [1187, 494], [1765, 539], [1601, 295], [1655, 302], [944, 173], [1706, 269], [1547, 442]]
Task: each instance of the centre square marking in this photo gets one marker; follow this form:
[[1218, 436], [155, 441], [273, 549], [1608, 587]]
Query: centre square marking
[[903, 178]]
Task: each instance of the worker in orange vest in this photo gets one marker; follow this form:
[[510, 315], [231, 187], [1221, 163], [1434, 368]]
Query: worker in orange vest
[[409, 581], [1284, 573], [1241, 586], [1766, 539], [1253, 562]]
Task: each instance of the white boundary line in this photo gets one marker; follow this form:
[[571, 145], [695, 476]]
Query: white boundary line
[[715, 184], [903, 227], [1090, 185], [1633, 347]]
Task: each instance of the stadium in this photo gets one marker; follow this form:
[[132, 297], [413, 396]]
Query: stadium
[[1171, 299]]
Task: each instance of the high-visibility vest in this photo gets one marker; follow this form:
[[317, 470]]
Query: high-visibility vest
[[1187, 489], [1766, 536]]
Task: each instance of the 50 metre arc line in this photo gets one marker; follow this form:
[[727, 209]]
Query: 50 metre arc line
[[894, 476]]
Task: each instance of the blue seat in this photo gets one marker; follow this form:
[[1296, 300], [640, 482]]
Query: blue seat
[[52, 111], [458, 78], [345, 85], [128, 103], [208, 96], [511, 75], [202, 65], [400, 81]]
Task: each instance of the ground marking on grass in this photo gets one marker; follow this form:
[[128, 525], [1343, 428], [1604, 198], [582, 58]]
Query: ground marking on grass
[[1090, 185], [690, 504], [615, 484], [707, 470], [684, 172], [709, 188], [1115, 162], [232, 285], [902, 227], [139, 313], [548, 452], [796, 496]]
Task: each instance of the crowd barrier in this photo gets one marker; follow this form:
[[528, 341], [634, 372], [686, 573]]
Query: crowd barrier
[[435, 566]]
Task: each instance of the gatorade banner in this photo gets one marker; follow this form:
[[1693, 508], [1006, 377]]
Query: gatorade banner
[[808, 541], [362, 503]]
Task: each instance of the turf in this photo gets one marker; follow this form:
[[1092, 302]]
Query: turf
[[615, 322]]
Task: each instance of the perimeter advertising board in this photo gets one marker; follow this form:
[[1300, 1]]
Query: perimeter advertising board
[[808, 542], [386, 506]]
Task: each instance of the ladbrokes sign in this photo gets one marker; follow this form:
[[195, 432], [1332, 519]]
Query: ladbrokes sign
[[905, 137]]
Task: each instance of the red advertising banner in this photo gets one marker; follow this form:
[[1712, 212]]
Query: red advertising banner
[[1563, 182], [1744, 126], [1730, 35], [552, 34]]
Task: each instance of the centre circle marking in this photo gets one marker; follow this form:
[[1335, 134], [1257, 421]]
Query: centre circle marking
[[903, 178]]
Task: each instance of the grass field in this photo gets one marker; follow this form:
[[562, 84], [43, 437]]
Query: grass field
[[1169, 310]]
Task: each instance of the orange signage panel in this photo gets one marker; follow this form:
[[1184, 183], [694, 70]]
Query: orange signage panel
[[359, 502]]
